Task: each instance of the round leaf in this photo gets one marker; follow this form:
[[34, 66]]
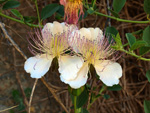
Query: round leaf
[[148, 75], [146, 35], [131, 39], [115, 88], [11, 4], [49, 10], [147, 6], [118, 5], [147, 106], [16, 13]]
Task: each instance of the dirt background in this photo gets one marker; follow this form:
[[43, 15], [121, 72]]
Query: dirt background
[[135, 86]]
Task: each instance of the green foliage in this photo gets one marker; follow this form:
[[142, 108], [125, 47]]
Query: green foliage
[[106, 96], [147, 106], [118, 41], [18, 99], [147, 6], [114, 13], [90, 10], [82, 99], [110, 32], [76, 92], [131, 39], [61, 10], [84, 110], [29, 19], [11, 4], [144, 50], [138, 44], [115, 88], [148, 75], [146, 35], [27, 91], [49, 10], [118, 5], [2, 1], [16, 13]]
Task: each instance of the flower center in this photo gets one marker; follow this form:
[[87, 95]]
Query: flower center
[[56, 45]]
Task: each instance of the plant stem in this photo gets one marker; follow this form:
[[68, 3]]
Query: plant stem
[[118, 19], [94, 3], [122, 20], [133, 54], [75, 104], [19, 21], [37, 9]]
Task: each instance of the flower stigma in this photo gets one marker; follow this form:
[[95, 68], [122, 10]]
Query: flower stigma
[[72, 8]]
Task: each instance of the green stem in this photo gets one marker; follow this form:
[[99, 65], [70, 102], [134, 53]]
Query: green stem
[[19, 21], [100, 92], [37, 9], [133, 54], [75, 104], [94, 3], [122, 20], [118, 19]]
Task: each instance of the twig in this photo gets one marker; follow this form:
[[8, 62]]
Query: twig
[[19, 82], [2, 111], [55, 96], [11, 40], [31, 96]]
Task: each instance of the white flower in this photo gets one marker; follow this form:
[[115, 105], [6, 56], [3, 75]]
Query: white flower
[[95, 50], [50, 43]]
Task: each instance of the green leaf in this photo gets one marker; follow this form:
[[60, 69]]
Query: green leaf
[[138, 32], [146, 35], [84, 110], [147, 6], [21, 105], [29, 19], [144, 50], [28, 92], [90, 10], [118, 40], [49, 10], [82, 99], [16, 13], [110, 31], [138, 44], [2, 1], [131, 39], [147, 106], [148, 75], [118, 5], [61, 10], [115, 88], [106, 96], [11, 4], [76, 92], [114, 13], [16, 95]]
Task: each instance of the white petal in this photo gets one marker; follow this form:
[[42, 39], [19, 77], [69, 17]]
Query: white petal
[[84, 32], [38, 66], [96, 33], [57, 28], [109, 72], [48, 27], [69, 66], [81, 78]]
